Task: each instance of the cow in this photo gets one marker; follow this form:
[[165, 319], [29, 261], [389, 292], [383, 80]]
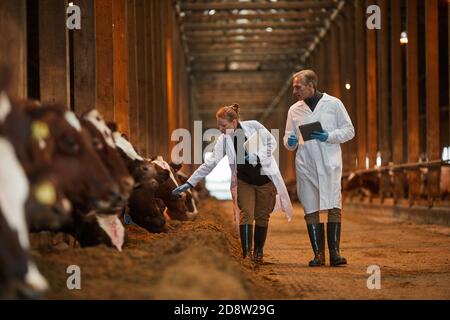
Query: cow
[[176, 207], [362, 184], [103, 141], [146, 209], [47, 208], [192, 198], [19, 275], [87, 182]]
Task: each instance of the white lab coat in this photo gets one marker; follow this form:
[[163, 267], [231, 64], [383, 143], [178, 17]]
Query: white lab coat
[[319, 164], [225, 147]]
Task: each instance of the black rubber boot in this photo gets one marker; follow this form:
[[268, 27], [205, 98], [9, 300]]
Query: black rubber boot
[[246, 232], [334, 238], [316, 234], [260, 239]]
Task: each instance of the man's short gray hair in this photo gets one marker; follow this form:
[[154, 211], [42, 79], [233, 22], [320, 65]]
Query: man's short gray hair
[[308, 77]]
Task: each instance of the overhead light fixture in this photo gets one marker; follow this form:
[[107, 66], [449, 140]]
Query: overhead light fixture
[[404, 38], [212, 12], [348, 86], [378, 164], [242, 21], [234, 66]]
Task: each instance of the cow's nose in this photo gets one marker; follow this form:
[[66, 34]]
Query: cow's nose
[[127, 183]]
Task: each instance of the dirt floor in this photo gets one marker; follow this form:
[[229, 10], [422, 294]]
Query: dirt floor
[[201, 260]]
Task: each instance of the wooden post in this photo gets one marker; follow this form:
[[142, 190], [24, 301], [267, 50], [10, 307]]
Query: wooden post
[[350, 67], [170, 79], [372, 101], [121, 97], [141, 72], [85, 59], [412, 99], [360, 85], [154, 109], [397, 97], [133, 72], [412, 83], [13, 37], [432, 95], [383, 95], [54, 52], [104, 58]]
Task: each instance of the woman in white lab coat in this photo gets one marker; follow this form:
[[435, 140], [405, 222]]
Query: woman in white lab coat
[[318, 162], [257, 186]]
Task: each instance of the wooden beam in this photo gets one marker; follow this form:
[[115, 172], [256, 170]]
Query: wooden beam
[[121, 93], [151, 47], [412, 96], [383, 83], [142, 60], [191, 41], [360, 65], [397, 99], [133, 72], [251, 25], [241, 45], [264, 15], [54, 52], [104, 58], [13, 37], [432, 76], [372, 101], [248, 33], [294, 5], [85, 85], [396, 83], [432, 95]]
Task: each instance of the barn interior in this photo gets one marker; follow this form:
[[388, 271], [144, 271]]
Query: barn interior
[[157, 66]]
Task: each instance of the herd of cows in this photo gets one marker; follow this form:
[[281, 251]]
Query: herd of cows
[[76, 175]]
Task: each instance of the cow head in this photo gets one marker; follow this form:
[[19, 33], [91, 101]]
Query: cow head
[[47, 208], [176, 208], [84, 178], [191, 195], [146, 209], [93, 229], [103, 141]]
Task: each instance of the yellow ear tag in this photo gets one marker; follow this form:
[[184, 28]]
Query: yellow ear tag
[[39, 130], [45, 193]]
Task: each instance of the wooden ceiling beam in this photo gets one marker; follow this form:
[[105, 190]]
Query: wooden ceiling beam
[[289, 15], [285, 5], [248, 32], [256, 25], [261, 39]]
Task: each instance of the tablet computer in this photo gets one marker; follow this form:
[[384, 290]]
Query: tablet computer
[[307, 129]]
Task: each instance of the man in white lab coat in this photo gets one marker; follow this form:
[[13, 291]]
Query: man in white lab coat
[[318, 161], [257, 186]]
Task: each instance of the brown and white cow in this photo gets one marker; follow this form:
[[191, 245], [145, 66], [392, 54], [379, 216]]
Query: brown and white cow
[[18, 272], [146, 210]]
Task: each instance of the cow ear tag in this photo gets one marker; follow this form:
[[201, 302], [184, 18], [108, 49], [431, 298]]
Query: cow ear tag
[[45, 193], [39, 130]]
